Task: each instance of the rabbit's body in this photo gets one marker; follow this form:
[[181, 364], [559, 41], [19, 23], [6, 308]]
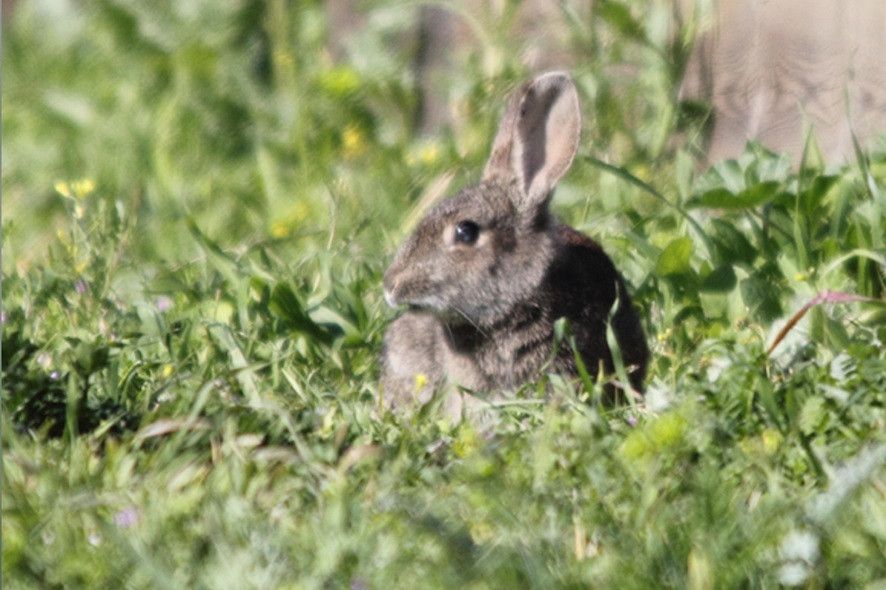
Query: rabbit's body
[[489, 271]]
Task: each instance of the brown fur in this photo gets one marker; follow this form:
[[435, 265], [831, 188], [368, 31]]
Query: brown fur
[[483, 314]]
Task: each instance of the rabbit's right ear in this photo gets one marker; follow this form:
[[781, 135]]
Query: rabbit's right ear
[[537, 138]]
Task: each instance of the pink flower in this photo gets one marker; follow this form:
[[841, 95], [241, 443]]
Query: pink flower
[[127, 517], [163, 303]]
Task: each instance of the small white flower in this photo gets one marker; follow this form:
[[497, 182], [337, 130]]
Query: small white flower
[[799, 552]]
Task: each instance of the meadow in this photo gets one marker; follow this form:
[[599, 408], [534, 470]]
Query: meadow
[[199, 201]]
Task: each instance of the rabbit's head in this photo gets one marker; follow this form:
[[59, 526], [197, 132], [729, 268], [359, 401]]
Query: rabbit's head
[[481, 252]]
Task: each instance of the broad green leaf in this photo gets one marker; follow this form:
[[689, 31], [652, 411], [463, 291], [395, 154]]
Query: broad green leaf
[[325, 316], [721, 280], [761, 297], [812, 197], [286, 305], [811, 415], [619, 16], [731, 245], [674, 259], [721, 198]]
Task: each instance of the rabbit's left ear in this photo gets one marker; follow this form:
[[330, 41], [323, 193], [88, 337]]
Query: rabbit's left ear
[[537, 138]]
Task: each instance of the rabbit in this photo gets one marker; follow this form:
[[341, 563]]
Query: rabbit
[[488, 272]]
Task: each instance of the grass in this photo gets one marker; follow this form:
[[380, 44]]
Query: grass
[[198, 207]]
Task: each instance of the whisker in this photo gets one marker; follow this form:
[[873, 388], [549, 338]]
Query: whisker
[[470, 321]]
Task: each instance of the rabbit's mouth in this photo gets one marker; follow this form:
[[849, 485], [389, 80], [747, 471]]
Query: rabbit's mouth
[[427, 304]]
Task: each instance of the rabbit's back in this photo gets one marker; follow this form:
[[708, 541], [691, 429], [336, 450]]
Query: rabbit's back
[[582, 285]]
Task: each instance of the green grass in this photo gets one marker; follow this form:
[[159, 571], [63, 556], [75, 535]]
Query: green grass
[[198, 207]]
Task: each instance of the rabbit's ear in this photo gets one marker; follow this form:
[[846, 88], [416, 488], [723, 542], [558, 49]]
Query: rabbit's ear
[[537, 138]]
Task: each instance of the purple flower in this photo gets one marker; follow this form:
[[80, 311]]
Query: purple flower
[[54, 375], [127, 517], [632, 420], [2, 317], [163, 303], [80, 286]]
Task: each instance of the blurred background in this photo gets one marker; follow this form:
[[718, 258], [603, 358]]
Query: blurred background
[[260, 118]]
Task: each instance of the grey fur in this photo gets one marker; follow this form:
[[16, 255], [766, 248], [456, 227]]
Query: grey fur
[[482, 315]]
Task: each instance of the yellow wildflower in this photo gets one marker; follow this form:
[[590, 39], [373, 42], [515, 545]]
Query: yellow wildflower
[[77, 189], [279, 229], [770, 440], [353, 142], [82, 188], [430, 154], [62, 188], [420, 381], [284, 223], [427, 154]]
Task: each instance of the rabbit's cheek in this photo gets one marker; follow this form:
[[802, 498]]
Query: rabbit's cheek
[[494, 267]]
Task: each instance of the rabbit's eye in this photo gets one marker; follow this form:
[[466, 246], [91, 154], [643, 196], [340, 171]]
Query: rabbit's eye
[[466, 232]]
